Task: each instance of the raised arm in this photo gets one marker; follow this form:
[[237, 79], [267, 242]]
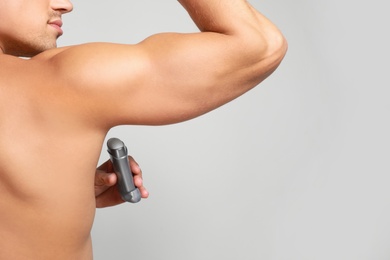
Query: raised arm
[[169, 78]]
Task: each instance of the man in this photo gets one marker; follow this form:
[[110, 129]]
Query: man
[[58, 106]]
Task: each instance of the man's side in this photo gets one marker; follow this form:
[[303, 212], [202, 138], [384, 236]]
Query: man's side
[[57, 108]]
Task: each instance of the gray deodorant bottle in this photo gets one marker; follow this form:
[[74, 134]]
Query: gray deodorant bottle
[[120, 161]]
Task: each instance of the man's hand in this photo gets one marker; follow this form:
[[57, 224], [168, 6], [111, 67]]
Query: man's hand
[[106, 190]]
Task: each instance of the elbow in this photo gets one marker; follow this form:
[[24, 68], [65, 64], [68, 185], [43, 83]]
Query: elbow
[[277, 47], [272, 50], [267, 53]]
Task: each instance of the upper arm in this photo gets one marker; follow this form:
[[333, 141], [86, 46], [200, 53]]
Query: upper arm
[[165, 79]]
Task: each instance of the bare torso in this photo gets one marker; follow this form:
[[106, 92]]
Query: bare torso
[[48, 159], [55, 111]]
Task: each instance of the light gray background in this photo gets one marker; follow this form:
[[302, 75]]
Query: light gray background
[[296, 169]]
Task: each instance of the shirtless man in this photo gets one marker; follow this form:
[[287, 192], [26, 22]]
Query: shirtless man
[[57, 106]]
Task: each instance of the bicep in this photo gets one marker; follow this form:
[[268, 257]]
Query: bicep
[[165, 79]]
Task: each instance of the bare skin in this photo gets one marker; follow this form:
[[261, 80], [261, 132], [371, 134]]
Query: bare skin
[[57, 105]]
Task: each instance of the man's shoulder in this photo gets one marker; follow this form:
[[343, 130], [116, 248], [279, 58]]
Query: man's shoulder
[[38, 84], [27, 71], [6, 59], [48, 54]]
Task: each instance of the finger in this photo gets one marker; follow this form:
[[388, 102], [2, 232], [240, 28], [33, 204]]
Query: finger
[[134, 166], [110, 179], [99, 178], [105, 179], [106, 166], [139, 183], [144, 192], [137, 177]]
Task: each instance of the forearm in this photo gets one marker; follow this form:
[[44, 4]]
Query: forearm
[[253, 32], [224, 16]]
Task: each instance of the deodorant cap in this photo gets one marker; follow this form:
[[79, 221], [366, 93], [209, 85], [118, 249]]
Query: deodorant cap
[[117, 148]]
